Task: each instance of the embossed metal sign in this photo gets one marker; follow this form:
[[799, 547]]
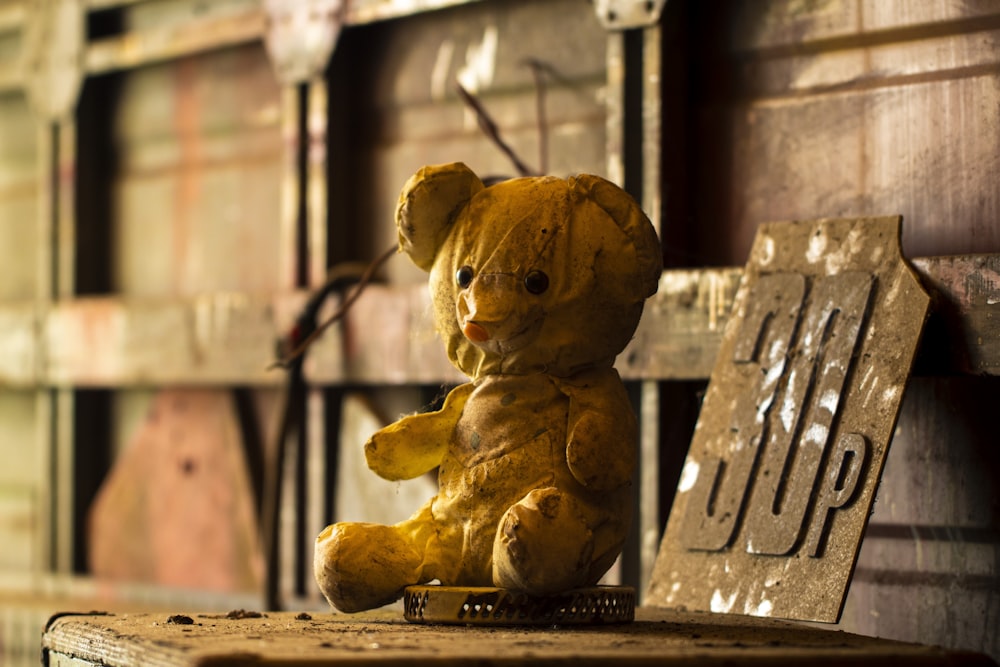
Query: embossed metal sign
[[785, 460]]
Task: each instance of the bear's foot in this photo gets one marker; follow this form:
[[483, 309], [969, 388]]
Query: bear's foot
[[544, 545], [361, 566]]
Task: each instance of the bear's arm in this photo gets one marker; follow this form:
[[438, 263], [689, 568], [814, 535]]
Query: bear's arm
[[416, 444], [601, 428]]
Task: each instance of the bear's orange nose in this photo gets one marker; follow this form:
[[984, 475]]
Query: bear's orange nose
[[475, 332]]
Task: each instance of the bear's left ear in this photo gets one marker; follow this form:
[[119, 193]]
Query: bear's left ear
[[427, 207], [628, 215]]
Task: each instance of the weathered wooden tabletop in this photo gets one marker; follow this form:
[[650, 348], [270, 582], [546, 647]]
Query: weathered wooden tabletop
[[657, 636]]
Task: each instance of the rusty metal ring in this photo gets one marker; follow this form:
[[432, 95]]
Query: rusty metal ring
[[462, 605]]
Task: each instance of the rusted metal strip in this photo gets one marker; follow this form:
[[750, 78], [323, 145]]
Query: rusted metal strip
[[388, 337]]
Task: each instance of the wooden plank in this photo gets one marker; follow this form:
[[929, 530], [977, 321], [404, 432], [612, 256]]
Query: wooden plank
[[193, 197], [657, 637], [158, 44], [153, 45], [854, 109], [682, 325], [389, 338], [224, 338], [932, 541], [28, 602], [857, 108], [792, 25]]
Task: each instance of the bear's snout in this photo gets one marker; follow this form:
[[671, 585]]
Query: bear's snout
[[487, 307]]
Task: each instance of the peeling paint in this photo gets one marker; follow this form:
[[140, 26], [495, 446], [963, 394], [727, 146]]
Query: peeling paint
[[829, 400], [689, 475], [817, 434], [767, 251], [765, 608], [788, 408], [817, 247], [722, 605]]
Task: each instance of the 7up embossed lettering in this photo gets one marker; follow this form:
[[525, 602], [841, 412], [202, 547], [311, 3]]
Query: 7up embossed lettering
[[780, 478]]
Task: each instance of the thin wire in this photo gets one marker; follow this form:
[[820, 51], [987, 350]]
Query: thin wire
[[538, 70], [366, 278], [489, 127]]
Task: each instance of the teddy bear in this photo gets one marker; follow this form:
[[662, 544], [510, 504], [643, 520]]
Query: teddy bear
[[537, 283]]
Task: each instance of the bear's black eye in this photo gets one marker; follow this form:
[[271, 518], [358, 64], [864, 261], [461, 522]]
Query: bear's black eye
[[536, 281], [464, 276]]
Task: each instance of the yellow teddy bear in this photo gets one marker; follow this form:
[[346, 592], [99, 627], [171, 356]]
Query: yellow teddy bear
[[537, 284]]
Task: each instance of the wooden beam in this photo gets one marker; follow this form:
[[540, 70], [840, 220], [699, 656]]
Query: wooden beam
[[221, 338], [151, 45], [388, 336], [143, 47]]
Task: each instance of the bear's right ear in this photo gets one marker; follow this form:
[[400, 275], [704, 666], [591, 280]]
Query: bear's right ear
[[427, 207]]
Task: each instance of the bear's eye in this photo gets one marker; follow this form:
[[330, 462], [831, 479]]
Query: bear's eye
[[464, 276], [536, 281]]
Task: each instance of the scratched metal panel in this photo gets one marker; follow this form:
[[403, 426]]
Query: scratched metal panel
[[395, 108]]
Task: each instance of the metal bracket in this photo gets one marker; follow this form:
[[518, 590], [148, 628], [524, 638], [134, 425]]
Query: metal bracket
[[624, 14], [301, 35], [52, 60]]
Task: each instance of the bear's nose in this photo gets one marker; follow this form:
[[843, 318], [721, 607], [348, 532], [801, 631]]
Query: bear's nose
[[486, 304], [475, 332]]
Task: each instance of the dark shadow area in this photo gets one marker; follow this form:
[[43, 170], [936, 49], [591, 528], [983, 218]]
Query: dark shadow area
[[91, 461], [97, 164]]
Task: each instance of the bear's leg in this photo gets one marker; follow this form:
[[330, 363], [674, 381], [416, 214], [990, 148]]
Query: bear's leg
[[361, 566], [544, 544]]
